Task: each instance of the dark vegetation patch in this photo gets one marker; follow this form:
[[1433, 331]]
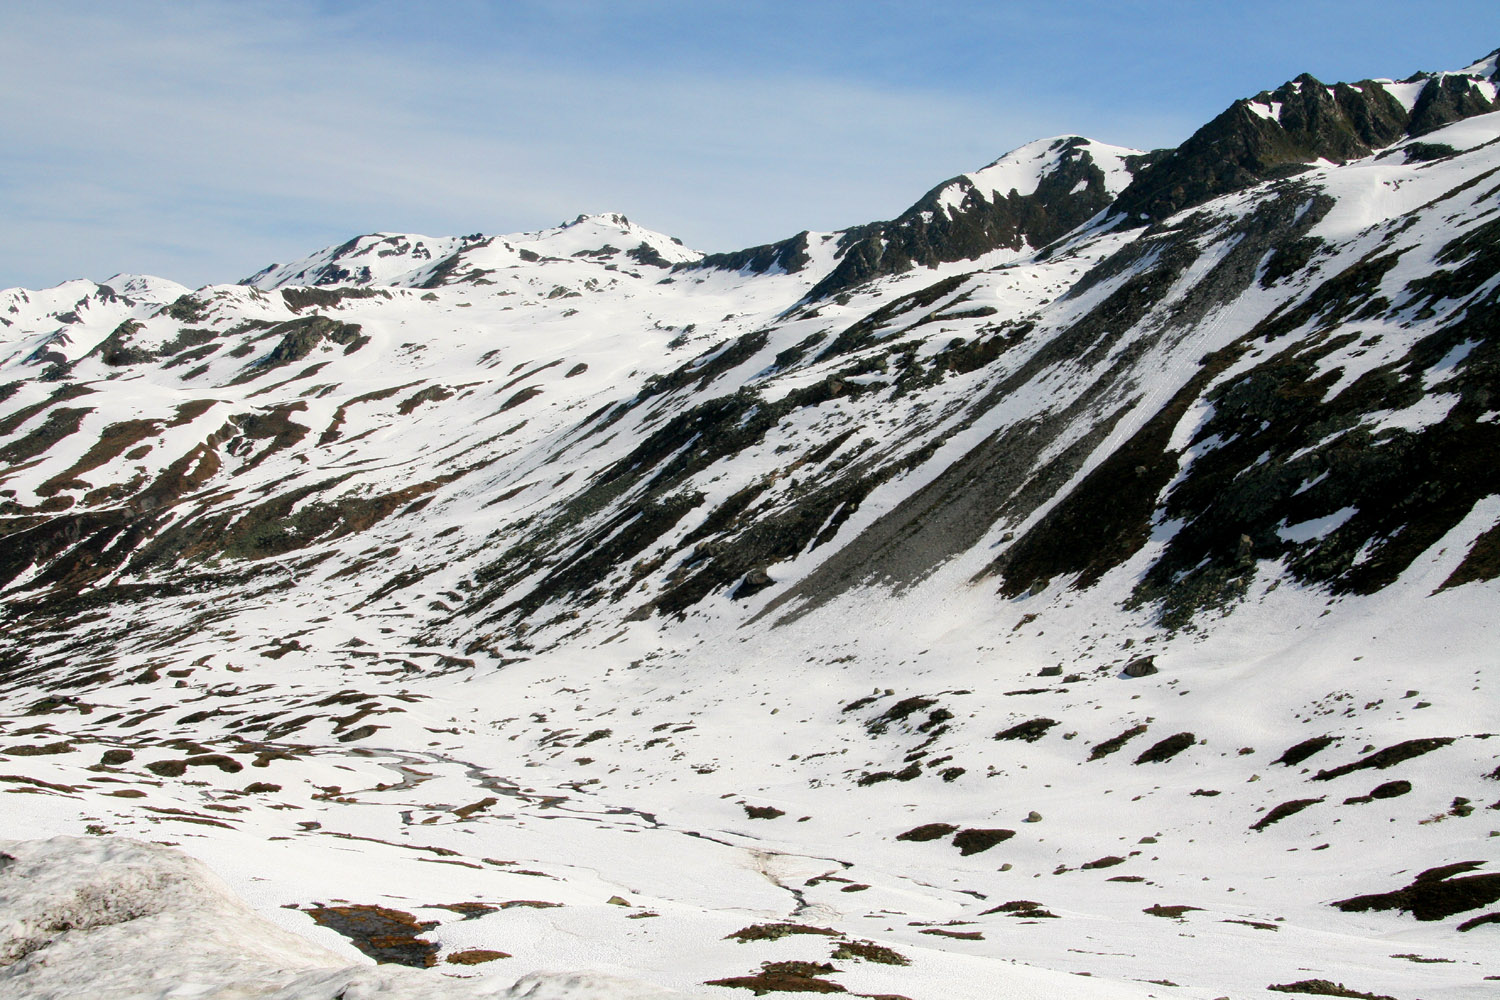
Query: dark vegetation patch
[[1387, 790], [784, 977], [1170, 912], [1325, 988], [1473, 922], [776, 931], [959, 357], [464, 812], [1030, 731], [116, 349], [474, 956], [645, 253], [1482, 562], [300, 337], [927, 831], [763, 812], [61, 422], [1281, 812], [1114, 743], [959, 935], [431, 394], [1434, 894], [899, 712], [1299, 752], [910, 772], [1290, 259], [297, 299], [195, 342], [385, 935], [700, 371], [112, 442], [1025, 908], [867, 951], [974, 841], [62, 394], [1108, 861], [1257, 924], [1167, 748], [187, 308], [176, 768], [526, 394], [34, 783], [37, 749], [1389, 757], [291, 521], [1426, 152]]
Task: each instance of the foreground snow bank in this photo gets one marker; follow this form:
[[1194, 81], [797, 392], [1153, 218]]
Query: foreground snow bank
[[115, 918]]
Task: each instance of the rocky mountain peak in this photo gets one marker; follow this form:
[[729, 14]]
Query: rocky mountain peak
[[1277, 133], [1025, 199]]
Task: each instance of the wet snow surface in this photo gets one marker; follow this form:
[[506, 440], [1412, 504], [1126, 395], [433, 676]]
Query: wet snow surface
[[492, 606]]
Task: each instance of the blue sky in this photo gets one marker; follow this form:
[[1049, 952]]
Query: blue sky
[[202, 141]]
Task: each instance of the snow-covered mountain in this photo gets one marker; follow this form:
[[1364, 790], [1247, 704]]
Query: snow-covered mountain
[[408, 261], [1083, 582]]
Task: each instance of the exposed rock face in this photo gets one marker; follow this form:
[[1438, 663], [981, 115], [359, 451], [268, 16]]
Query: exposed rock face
[[964, 218], [787, 256], [1277, 133]]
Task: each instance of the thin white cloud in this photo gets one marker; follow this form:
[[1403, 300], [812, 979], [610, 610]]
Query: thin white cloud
[[201, 141]]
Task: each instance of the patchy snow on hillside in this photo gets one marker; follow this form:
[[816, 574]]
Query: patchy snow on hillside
[[1020, 171], [1110, 621]]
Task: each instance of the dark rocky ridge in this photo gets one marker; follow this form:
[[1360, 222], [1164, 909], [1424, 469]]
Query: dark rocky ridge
[[1242, 147], [927, 233], [1239, 148], [786, 256]]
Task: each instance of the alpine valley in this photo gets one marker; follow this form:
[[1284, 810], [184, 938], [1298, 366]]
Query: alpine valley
[[1082, 584]]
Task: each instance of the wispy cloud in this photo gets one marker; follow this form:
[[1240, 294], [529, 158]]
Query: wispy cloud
[[203, 141]]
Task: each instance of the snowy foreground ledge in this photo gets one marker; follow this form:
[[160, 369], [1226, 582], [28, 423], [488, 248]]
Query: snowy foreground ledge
[[110, 918]]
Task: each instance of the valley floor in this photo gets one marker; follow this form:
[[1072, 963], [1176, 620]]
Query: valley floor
[[640, 807]]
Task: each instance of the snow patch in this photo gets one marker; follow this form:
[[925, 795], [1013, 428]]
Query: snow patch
[[1306, 531]]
